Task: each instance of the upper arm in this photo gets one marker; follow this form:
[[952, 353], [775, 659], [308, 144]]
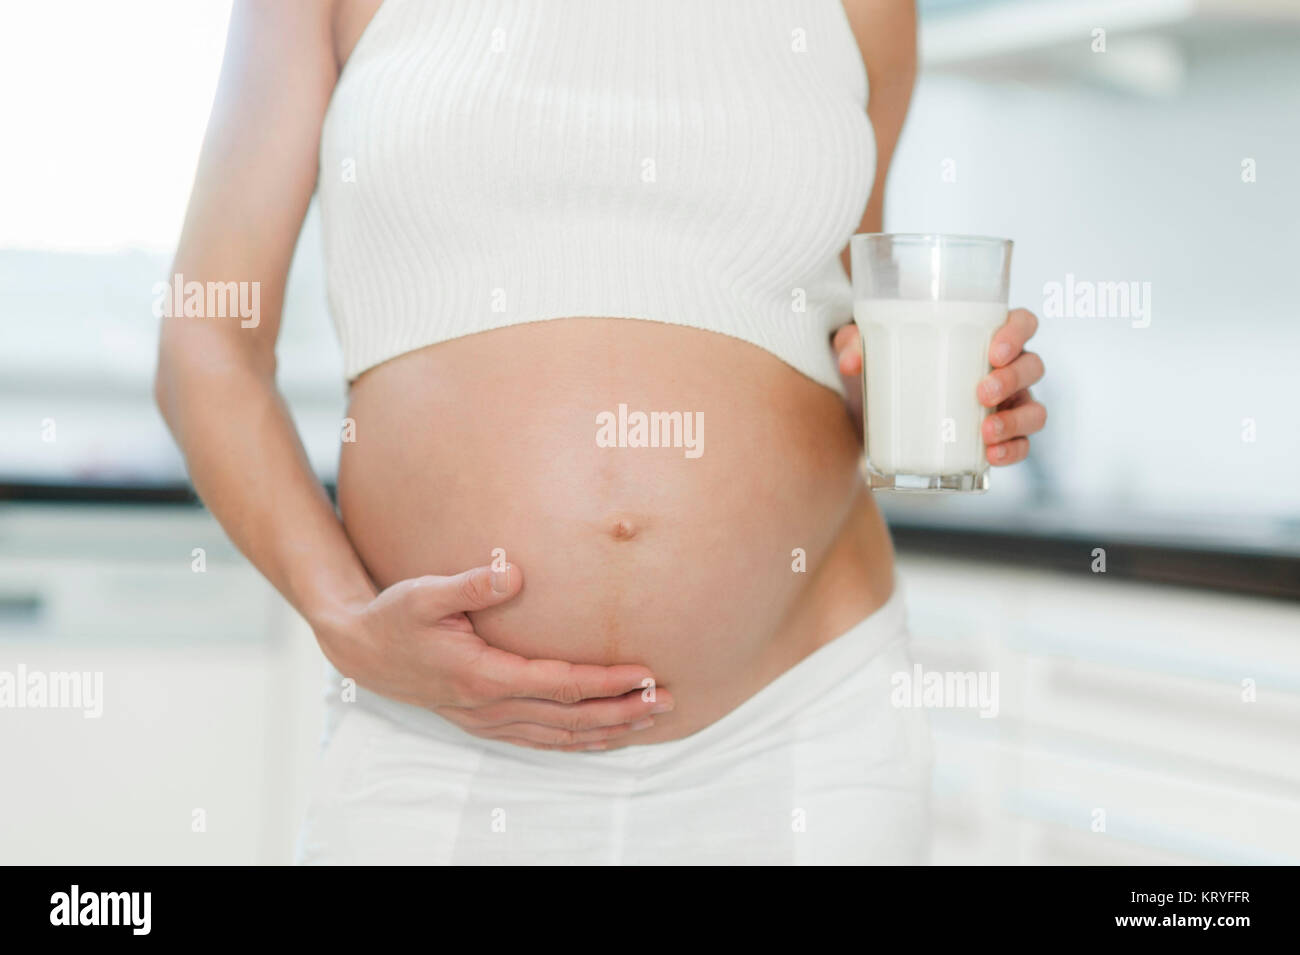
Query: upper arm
[[886, 35], [256, 172]]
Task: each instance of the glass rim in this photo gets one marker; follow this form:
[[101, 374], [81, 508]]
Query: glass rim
[[929, 237]]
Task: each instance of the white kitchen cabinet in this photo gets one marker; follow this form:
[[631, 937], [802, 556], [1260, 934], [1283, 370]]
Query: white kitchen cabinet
[[1119, 704], [208, 683]]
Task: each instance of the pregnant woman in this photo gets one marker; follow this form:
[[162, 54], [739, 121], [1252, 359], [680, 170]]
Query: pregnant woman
[[604, 584]]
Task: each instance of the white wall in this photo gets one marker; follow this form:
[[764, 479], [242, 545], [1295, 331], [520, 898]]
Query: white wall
[[1112, 186]]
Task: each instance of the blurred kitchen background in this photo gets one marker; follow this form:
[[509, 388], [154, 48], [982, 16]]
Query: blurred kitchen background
[[1147, 713]]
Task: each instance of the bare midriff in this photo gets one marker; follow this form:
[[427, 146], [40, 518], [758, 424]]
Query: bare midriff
[[718, 566]]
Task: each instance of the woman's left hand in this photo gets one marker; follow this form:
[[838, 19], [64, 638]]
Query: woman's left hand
[[1006, 388]]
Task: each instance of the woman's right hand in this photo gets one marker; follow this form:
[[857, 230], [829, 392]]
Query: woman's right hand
[[415, 643]]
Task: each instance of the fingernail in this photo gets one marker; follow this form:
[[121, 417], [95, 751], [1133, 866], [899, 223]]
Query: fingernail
[[1002, 353], [991, 388], [997, 427], [597, 746], [661, 708], [501, 580], [643, 725], [999, 453]]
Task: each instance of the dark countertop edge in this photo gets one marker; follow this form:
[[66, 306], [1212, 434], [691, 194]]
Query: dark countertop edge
[[93, 494], [1227, 570]]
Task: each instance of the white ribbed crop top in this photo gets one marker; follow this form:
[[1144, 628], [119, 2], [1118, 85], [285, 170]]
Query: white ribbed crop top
[[486, 163]]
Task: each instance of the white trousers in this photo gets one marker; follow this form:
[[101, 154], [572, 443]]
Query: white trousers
[[818, 767]]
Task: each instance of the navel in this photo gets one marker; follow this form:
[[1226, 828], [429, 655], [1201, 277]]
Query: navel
[[623, 529]]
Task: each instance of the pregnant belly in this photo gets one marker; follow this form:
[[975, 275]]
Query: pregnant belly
[[683, 557]]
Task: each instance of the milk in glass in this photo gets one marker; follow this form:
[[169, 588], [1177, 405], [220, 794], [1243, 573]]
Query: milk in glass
[[922, 363]]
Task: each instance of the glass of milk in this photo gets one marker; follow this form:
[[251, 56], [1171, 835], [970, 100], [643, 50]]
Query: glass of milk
[[926, 307]]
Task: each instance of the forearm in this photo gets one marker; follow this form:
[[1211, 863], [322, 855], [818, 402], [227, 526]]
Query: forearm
[[248, 465]]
